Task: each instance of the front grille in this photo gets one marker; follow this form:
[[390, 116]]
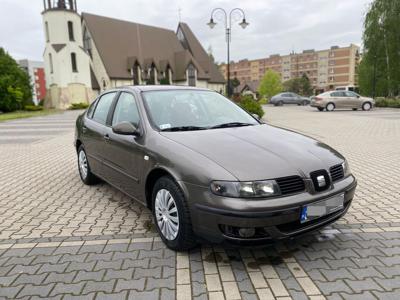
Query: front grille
[[337, 172], [291, 184]]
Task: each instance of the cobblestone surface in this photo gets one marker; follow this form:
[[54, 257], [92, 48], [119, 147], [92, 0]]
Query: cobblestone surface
[[61, 239]]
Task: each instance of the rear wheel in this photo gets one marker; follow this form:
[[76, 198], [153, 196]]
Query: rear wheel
[[280, 103], [305, 103], [366, 106], [330, 107], [171, 215], [84, 169], [320, 108]]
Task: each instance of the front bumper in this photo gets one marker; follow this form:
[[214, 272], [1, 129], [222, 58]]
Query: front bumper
[[272, 219]]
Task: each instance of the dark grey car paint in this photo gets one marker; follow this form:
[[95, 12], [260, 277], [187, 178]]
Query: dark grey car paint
[[195, 158]]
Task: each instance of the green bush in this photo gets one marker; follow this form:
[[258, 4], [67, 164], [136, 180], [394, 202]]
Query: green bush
[[33, 108], [387, 102], [79, 105], [251, 106]]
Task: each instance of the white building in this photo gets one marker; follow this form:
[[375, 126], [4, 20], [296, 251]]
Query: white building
[[87, 54]]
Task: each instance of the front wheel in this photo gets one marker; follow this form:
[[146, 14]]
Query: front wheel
[[305, 103], [330, 107], [366, 106], [85, 173], [171, 215]]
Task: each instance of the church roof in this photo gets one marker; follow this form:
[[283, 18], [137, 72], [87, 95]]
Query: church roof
[[122, 43]]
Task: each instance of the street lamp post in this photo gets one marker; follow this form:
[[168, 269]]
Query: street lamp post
[[228, 26]]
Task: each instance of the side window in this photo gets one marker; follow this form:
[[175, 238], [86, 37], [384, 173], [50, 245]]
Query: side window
[[126, 110], [102, 108], [336, 94], [351, 94], [91, 110]]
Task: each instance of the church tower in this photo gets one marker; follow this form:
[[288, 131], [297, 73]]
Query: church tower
[[67, 65]]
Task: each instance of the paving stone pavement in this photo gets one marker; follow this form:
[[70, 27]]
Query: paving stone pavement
[[63, 240]]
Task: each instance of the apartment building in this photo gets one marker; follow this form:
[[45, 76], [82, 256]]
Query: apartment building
[[326, 69]]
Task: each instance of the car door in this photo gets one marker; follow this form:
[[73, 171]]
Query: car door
[[124, 153], [338, 99], [285, 97], [93, 131], [353, 99]]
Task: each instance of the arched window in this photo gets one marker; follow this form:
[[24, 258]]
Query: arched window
[[51, 63], [47, 31], [87, 42], [73, 62], [71, 31]]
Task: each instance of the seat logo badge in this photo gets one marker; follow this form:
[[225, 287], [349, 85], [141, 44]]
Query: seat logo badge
[[321, 181], [146, 157]]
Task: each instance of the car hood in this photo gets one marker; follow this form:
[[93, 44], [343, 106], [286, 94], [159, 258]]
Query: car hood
[[259, 152]]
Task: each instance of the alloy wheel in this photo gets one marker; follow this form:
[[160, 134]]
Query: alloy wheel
[[83, 165], [166, 212], [330, 107], [367, 106]]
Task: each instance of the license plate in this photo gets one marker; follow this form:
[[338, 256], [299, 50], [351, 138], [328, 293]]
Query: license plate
[[321, 208]]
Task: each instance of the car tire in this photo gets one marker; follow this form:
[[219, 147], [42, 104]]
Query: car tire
[[305, 103], [171, 215], [330, 106], [280, 103], [320, 108], [85, 173], [366, 106]]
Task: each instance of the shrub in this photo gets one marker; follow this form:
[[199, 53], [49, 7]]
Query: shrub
[[251, 106], [79, 105], [387, 102], [33, 108]]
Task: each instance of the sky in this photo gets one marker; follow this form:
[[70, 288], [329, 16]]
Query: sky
[[276, 26]]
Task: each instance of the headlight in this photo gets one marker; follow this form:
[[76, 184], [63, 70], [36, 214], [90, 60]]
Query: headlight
[[346, 168], [250, 189]]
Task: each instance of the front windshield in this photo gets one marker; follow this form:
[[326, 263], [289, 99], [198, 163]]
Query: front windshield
[[193, 109]]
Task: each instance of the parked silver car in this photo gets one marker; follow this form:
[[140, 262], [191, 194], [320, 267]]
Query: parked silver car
[[289, 98], [341, 99]]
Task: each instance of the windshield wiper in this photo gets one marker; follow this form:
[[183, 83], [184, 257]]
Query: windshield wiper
[[184, 128], [232, 124]]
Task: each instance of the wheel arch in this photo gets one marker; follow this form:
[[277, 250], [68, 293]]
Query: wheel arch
[[151, 180]]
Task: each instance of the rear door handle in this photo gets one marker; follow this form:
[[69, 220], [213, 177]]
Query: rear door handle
[[106, 137]]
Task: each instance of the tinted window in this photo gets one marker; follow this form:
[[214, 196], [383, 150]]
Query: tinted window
[[102, 108], [126, 110], [337, 94], [286, 95], [351, 94], [91, 109]]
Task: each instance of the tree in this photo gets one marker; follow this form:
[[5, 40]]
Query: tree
[[299, 85], [235, 83], [270, 84], [306, 88], [15, 87], [378, 70]]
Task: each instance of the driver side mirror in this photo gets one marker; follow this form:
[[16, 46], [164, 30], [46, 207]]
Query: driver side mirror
[[125, 128]]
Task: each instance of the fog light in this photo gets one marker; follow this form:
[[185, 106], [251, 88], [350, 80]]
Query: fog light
[[247, 232]]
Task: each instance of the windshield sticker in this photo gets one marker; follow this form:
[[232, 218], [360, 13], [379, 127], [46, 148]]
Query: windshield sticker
[[165, 126]]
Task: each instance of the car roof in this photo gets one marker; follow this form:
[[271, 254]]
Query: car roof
[[145, 88]]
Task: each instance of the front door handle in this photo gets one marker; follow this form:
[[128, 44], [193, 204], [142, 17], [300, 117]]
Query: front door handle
[[106, 137]]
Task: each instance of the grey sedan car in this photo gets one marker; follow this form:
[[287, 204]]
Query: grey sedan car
[[289, 98], [207, 169]]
